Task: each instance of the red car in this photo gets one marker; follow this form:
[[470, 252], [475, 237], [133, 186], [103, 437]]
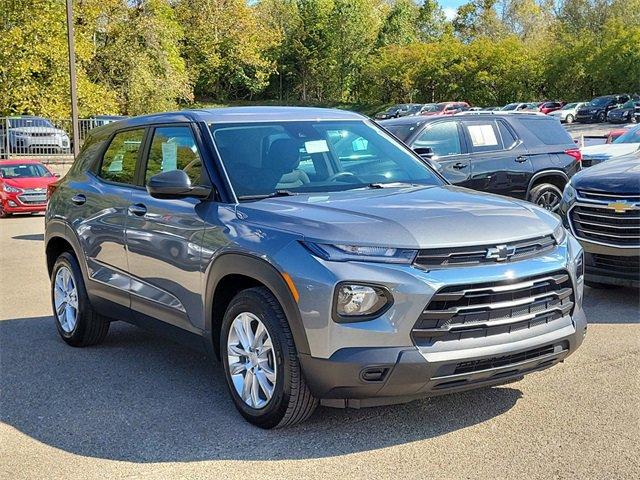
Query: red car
[[548, 107], [445, 108], [23, 186]]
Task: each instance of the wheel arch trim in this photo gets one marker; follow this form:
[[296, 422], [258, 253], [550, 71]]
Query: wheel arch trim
[[545, 173], [263, 271]]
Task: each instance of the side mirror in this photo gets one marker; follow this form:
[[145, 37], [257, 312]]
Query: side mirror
[[57, 175], [175, 184], [424, 151]]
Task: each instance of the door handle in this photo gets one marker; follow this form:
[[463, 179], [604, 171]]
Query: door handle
[[521, 158], [460, 165], [79, 199], [137, 209]]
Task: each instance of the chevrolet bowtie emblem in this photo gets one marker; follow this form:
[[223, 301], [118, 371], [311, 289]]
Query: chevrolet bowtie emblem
[[500, 253], [621, 206]]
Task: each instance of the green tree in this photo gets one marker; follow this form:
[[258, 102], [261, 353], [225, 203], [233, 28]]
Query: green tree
[[400, 26]]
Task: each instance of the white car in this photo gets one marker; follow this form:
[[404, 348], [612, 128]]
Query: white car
[[623, 145], [567, 114], [28, 134]]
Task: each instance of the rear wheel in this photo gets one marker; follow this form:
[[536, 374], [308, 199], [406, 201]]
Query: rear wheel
[[546, 195], [261, 363], [77, 322], [569, 119], [602, 117]]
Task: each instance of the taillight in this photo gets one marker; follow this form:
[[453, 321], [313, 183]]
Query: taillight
[[51, 188], [575, 153]]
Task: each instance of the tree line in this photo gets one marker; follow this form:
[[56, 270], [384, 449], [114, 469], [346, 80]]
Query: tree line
[[140, 56]]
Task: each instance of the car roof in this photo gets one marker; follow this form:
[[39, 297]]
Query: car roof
[[18, 117], [244, 114], [19, 162]]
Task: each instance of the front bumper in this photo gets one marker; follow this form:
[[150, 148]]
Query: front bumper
[[378, 361], [586, 117], [12, 204], [611, 265], [363, 377]]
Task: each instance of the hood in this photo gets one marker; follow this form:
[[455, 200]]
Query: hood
[[621, 175], [408, 217], [31, 182], [30, 130], [609, 150], [558, 113]]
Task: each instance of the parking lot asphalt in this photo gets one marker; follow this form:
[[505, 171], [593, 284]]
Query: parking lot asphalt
[[141, 406]]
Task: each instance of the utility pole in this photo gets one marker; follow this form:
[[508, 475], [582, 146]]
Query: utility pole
[[72, 80]]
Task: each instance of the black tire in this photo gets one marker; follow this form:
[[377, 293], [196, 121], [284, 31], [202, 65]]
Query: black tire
[[602, 117], [542, 195], [600, 286], [91, 328], [633, 118], [292, 401], [569, 119]]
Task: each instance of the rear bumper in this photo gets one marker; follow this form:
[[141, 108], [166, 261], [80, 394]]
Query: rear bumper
[[362, 377]]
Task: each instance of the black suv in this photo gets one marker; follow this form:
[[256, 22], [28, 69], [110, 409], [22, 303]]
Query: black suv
[[598, 108], [521, 155]]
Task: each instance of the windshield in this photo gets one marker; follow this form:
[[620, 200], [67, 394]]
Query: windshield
[[630, 104], [511, 106], [29, 122], [569, 106], [414, 108], [263, 159], [433, 107], [632, 136], [24, 170]]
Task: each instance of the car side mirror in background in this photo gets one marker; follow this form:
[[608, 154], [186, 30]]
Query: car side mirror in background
[[57, 175], [175, 184], [424, 151]]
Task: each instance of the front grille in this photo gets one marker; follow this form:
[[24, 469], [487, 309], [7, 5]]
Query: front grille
[[33, 197], [592, 218], [496, 362], [623, 267], [484, 309], [42, 134], [463, 256]]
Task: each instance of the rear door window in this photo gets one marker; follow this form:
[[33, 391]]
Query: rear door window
[[119, 161], [483, 136], [442, 137], [547, 130]]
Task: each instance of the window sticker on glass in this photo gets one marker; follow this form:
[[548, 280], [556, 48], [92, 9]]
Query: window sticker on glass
[[316, 146], [169, 156], [482, 135]]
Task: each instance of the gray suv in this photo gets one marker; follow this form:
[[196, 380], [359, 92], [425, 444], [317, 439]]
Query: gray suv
[[320, 259]]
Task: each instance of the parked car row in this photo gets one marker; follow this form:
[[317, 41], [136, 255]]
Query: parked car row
[[614, 108]]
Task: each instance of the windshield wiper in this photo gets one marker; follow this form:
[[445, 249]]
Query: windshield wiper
[[277, 193], [390, 185]]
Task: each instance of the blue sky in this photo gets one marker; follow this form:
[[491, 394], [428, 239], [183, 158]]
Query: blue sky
[[450, 6]]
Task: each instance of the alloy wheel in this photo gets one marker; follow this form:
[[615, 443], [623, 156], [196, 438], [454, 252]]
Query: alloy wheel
[[65, 299], [252, 360], [549, 200]]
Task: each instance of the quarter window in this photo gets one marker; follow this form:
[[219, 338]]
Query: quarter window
[[443, 138], [174, 148], [484, 137], [119, 161]]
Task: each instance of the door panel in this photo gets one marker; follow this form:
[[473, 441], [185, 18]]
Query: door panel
[[164, 237], [499, 161], [449, 150], [103, 201]]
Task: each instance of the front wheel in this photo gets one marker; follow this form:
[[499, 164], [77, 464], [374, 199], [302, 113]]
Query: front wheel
[[261, 363], [547, 196], [602, 117]]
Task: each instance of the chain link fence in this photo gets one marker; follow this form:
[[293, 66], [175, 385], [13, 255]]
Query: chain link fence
[[44, 139]]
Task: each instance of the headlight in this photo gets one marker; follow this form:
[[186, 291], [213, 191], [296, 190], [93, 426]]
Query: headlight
[[346, 253], [560, 234], [10, 189], [355, 302], [569, 194]]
